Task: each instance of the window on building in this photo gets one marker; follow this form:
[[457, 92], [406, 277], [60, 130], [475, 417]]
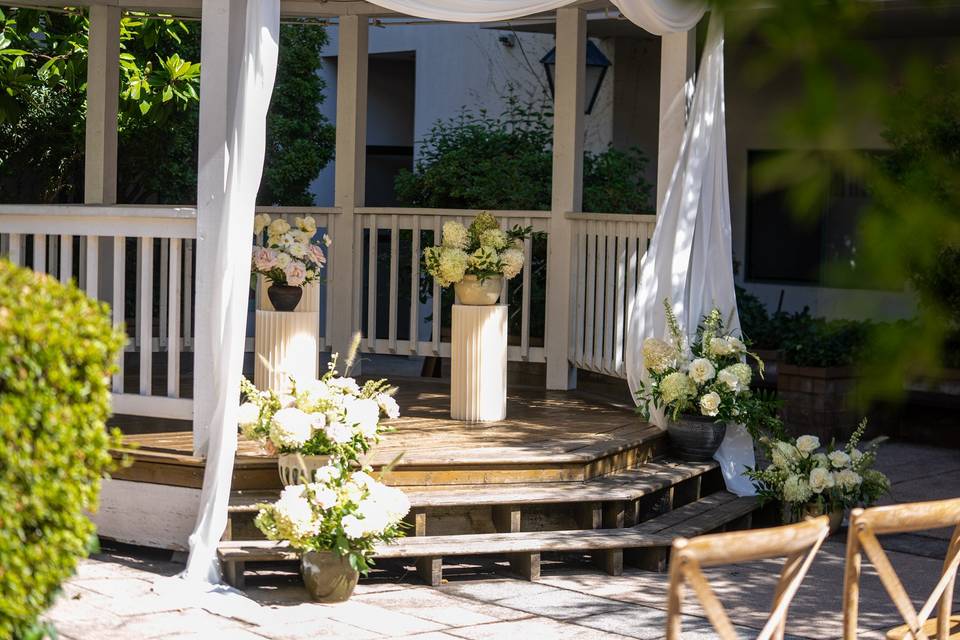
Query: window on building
[[819, 250]]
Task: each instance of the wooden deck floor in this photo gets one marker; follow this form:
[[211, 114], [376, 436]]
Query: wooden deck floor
[[548, 436]]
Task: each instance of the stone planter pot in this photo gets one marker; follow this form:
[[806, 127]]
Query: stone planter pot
[[695, 438], [284, 297], [818, 401], [327, 576], [473, 292], [296, 468]]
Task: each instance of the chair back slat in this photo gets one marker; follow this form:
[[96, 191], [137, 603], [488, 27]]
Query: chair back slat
[[865, 526], [798, 542]]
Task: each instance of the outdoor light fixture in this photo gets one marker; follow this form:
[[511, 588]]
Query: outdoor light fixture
[[597, 64]]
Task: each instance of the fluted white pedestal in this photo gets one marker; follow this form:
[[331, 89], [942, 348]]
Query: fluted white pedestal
[[286, 344], [478, 363]]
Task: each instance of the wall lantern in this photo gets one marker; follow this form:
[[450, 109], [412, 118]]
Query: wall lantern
[[597, 64]]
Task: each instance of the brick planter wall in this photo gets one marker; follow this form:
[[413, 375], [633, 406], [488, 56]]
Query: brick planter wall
[[818, 400]]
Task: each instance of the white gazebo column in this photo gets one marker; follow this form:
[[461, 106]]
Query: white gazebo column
[[677, 60], [211, 176], [567, 193], [100, 157], [344, 288]]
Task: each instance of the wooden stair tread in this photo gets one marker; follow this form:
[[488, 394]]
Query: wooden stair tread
[[624, 485], [693, 519]]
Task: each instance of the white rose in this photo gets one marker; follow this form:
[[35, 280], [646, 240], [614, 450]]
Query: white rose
[[388, 405], [291, 427], [730, 379], [701, 370], [849, 479], [295, 273], [298, 250], [326, 473], [839, 459], [248, 415], [710, 404], [821, 460], [283, 259], [339, 432], [344, 385], [718, 347], [821, 479], [808, 444], [735, 345]]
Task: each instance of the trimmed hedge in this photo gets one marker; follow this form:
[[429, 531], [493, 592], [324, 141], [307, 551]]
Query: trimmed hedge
[[57, 350]]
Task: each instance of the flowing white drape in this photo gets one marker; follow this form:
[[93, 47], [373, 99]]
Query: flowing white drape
[[689, 261], [656, 16], [248, 98]]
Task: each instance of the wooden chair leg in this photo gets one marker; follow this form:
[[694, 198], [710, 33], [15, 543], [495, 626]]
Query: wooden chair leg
[[851, 580], [674, 602], [946, 600]]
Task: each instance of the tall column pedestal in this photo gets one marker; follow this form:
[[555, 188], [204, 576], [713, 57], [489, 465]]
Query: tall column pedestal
[[285, 345], [478, 363]]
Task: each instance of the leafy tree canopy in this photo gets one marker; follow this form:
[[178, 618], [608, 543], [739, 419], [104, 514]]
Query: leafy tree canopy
[[43, 70]]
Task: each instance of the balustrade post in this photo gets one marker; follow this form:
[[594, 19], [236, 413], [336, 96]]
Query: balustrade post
[[345, 290], [567, 191], [677, 59]]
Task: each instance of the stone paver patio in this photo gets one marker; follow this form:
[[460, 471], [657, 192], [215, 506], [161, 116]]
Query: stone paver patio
[[123, 592]]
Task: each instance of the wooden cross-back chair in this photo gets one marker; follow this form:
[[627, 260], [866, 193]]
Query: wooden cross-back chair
[[798, 542], [865, 526]]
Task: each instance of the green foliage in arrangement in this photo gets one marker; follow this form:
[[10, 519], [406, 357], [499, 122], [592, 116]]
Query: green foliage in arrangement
[[478, 161], [57, 351]]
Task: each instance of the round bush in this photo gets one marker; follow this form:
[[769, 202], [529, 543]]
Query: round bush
[[57, 351]]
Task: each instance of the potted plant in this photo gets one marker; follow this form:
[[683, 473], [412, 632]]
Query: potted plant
[[287, 257], [475, 259], [333, 416], [810, 480], [700, 387], [817, 378], [335, 520]]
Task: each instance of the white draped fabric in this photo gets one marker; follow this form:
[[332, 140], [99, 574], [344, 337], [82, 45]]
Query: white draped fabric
[[248, 98], [689, 260], [656, 16]]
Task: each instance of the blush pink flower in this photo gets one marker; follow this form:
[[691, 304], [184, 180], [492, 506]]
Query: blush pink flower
[[264, 259], [296, 273], [315, 254]]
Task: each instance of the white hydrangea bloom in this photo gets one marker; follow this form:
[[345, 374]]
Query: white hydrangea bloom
[[658, 356], [363, 414], [702, 370], [512, 262], [338, 432], [352, 527], [323, 496], [796, 489], [296, 509], [677, 386], [388, 405], [248, 415], [494, 238], [344, 385], [452, 266], [291, 427], [821, 479], [455, 235]]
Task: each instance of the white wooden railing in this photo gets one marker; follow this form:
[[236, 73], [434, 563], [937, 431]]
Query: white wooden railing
[[404, 232], [141, 260], [607, 249], [90, 245]]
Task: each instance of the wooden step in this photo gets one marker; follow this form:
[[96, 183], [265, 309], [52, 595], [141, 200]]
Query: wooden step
[[524, 548], [631, 484]]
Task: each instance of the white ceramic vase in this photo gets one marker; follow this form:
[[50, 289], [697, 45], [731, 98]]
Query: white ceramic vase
[[472, 291]]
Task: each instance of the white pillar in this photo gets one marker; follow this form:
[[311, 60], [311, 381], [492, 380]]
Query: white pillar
[[567, 193], [344, 286], [217, 16], [100, 157], [677, 60]]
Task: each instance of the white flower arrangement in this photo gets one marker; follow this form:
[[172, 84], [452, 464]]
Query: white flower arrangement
[[807, 479], [287, 255], [483, 250], [330, 416], [347, 512], [707, 379]]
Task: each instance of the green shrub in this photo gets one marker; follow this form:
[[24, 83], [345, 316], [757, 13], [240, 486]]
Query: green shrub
[[57, 350], [815, 342], [476, 161]]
